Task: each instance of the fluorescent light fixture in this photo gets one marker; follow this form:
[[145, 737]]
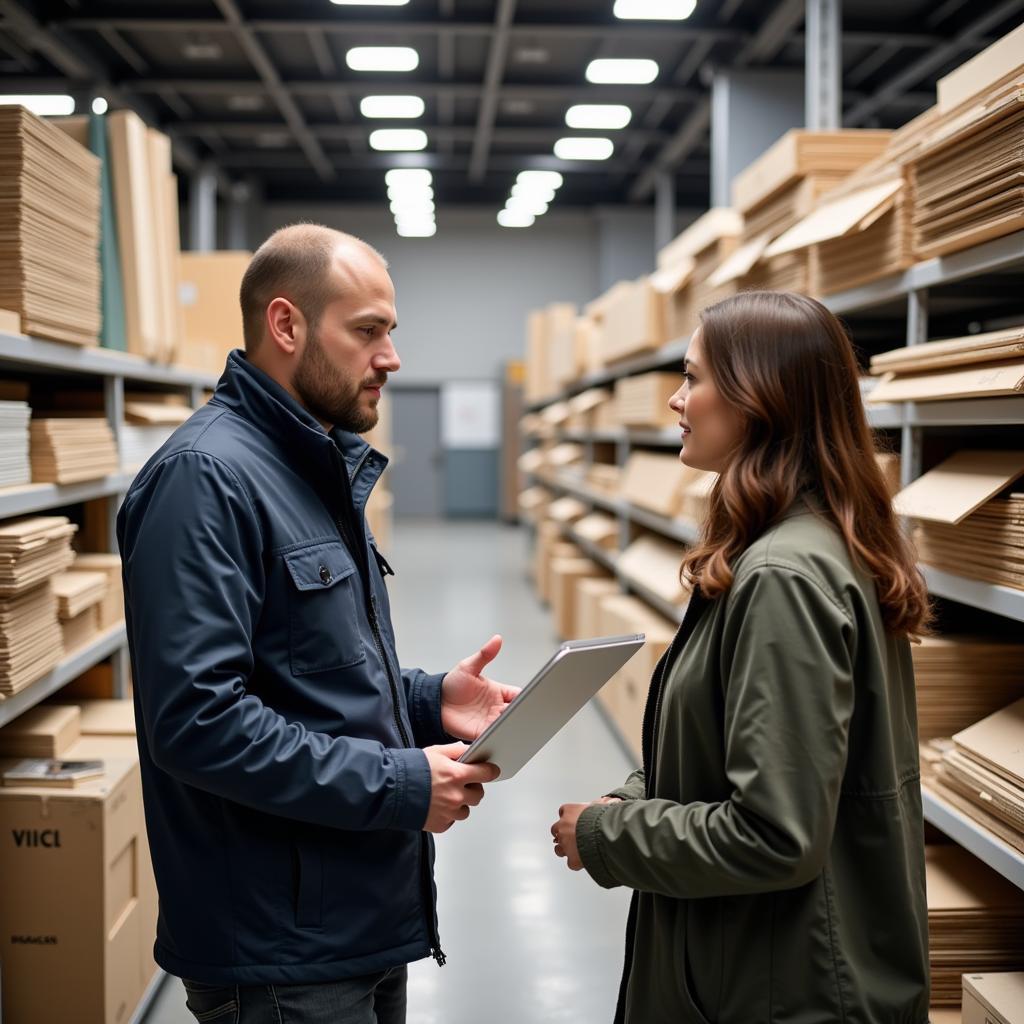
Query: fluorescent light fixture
[[609, 71], [99, 105], [515, 219], [417, 230], [403, 193], [370, 3], [399, 177], [547, 179], [543, 195], [652, 10], [598, 115], [391, 106], [44, 106], [394, 139], [382, 58], [584, 149], [412, 207], [524, 204]]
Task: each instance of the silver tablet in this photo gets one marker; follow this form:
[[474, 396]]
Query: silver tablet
[[573, 674]]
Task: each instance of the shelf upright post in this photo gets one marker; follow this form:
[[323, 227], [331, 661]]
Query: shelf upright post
[[622, 449], [195, 396], [823, 64], [917, 334]]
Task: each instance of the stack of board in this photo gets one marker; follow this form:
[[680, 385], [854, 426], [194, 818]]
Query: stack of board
[[653, 562], [977, 366], [31, 552], [600, 529], [78, 595], [15, 468], [147, 425], [68, 449], [975, 920], [111, 610], [49, 243], [963, 678], [642, 400]]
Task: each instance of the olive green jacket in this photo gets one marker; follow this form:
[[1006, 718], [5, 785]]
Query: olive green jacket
[[776, 839]]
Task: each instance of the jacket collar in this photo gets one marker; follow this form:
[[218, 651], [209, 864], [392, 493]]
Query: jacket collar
[[261, 401]]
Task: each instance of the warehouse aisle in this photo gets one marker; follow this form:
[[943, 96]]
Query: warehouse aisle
[[527, 940]]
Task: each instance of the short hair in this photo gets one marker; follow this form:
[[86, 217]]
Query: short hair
[[294, 262]]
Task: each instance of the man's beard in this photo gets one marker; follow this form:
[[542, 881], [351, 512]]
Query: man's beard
[[329, 394]]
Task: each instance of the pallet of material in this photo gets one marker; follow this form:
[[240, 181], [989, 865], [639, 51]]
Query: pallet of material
[[962, 678], [49, 242], [31, 641], [642, 400], [32, 550], [975, 920], [69, 449], [15, 467]]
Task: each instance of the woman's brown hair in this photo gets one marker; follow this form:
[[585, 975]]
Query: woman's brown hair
[[786, 364]]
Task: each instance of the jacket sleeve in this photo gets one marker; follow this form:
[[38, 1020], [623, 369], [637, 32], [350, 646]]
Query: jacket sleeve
[[633, 788], [423, 698], [194, 578], [788, 670]]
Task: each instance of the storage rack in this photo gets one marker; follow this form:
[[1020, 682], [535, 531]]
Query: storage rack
[[909, 291], [35, 355]]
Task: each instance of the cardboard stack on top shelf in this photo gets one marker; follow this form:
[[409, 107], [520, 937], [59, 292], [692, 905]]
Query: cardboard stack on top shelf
[[557, 321], [686, 265], [211, 318], [68, 449], [111, 608], [15, 467], [781, 188], [962, 527], [565, 346], [31, 552], [642, 401], [631, 322], [966, 171], [653, 563], [50, 208], [975, 921], [79, 595], [978, 366]]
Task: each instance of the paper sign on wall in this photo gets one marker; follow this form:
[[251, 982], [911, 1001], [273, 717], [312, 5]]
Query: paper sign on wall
[[470, 415]]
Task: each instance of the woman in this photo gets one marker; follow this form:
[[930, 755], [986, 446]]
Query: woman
[[774, 836]]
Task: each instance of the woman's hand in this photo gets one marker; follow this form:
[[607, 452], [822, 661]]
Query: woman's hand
[[564, 830]]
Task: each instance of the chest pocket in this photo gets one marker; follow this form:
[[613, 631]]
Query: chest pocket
[[323, 620]]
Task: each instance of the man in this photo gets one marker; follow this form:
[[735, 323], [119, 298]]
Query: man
[[291, 770]]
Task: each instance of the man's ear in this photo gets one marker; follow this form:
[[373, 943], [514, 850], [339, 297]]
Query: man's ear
[[286, 326]]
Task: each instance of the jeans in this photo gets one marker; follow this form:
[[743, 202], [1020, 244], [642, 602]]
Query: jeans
[[373, 999]]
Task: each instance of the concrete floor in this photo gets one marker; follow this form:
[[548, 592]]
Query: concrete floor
[[528, 941]]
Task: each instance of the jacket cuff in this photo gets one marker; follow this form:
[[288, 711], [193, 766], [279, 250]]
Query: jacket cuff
[[425, 709], [412, 788], [588, 843]]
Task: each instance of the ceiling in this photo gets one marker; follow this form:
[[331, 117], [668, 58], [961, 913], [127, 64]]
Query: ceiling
[[261, 89]]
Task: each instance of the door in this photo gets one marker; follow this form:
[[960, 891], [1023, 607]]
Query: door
[[417, 465]]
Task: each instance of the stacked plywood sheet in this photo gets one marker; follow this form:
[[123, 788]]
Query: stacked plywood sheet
[[68, 449], [15, 467], [781, 188], [31, 552], [960, 679], [111, 609], [79, 595], [49, 242], [642, 401], [975, 920], [970, 522], [978, 366]]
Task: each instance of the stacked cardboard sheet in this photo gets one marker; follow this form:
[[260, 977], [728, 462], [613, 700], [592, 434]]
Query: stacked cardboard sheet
[[566, 510], [69, 449], [600, 529], [975, 920], [533, 503], [33, 550], [653, 562], [542, 327], [977, 366], [632, 321], [79, 595], [655, 482], [585, 409], [49, 243], [31, 641], [44, 731], [642, 401], [963, 678], [111, 610], [15, 467], [604, 478], [970, 522]]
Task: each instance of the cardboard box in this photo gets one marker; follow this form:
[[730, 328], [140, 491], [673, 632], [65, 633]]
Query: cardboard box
[[46, 730], [994, 998], [589, 592], [642, 401], [655, 482], [654, 563], [111, 609], [632, 321], [564, 574], [212, 316], [73, 901], [111, 718], [81, 629]]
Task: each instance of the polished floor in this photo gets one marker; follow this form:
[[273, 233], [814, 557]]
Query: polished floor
[[528, 941]]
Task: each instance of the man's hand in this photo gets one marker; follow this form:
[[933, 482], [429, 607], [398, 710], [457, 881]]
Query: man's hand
[[454, 787], [564, 830], [469, 700]]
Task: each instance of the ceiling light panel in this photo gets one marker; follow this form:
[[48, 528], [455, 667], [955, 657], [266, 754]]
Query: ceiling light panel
[[584, 149], [515, 219], [391, 106], [654, 10], [44, 106], [399, 176], [382, 58], [613, 71], [398, 140], [605, 116], [547, 179]]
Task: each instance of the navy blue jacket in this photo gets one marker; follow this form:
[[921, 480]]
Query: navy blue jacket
[[285, 793]]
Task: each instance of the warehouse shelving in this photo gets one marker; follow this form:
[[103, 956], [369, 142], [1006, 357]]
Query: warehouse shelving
[[108, 642], [31, 498], [989, 597], [149, 997]]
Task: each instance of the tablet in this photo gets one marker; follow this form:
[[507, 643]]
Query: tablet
[[573, 674]]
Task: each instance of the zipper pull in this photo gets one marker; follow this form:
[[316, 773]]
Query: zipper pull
[[438, 954]]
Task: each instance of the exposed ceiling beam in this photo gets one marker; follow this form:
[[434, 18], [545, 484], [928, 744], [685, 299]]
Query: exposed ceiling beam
[[969, 36], [176, 103], [265, 68], [870, 64], [126, 52], [943, 11], [488, 109], [773, 34], [322, 55]]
